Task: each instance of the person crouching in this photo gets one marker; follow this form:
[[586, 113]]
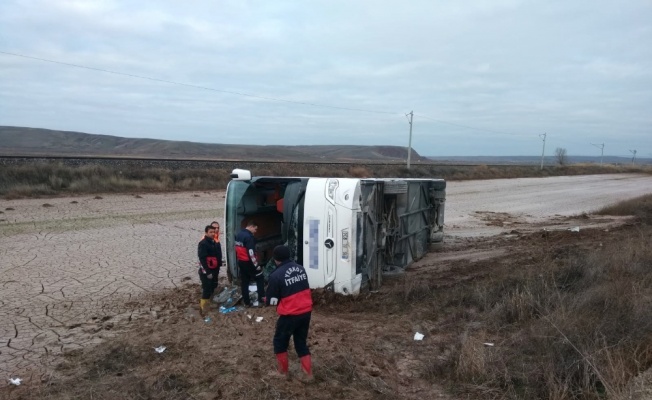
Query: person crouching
[[289, 290]]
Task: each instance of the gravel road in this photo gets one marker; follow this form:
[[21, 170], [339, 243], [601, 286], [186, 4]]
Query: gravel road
[[69, 269], [471, 206]]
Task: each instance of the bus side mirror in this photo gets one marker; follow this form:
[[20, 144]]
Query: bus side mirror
[[241, 174]]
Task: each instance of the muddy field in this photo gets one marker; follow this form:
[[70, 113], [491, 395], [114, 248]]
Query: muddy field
[[119, 271]]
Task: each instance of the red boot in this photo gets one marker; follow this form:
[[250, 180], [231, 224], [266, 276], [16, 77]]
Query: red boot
[[306, 367], [282, 360]]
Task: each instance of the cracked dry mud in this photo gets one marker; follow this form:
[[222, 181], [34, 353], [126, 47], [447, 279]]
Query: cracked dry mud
[[76, 273], [70, 271]]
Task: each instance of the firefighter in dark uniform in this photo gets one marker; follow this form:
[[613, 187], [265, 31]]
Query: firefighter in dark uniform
[[289, 290], [209, 253], [250, 269]]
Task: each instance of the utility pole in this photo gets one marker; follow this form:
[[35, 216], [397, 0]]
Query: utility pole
[[544, 148], [411, 114], [633, 158], [601, 147]]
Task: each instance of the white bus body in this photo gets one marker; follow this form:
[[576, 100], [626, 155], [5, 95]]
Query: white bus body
[[346, 232]]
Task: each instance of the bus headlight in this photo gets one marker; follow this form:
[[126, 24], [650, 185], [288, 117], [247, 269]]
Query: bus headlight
[[330, 190]]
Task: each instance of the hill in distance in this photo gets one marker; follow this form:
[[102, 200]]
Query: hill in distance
[[22, 141]]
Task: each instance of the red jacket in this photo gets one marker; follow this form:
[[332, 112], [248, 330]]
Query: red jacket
[[245, 247], [288, 284]]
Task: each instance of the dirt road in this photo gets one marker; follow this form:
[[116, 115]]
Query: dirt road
[[475, 208], [72, 268]]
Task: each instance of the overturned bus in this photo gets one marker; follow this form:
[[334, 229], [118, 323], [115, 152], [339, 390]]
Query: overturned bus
[[346, 232]]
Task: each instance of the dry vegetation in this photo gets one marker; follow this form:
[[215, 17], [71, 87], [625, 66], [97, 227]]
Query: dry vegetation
[[56, 178], [563, 315], [572, 320]]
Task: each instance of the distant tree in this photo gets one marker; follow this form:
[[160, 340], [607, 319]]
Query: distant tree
[[560, 155]]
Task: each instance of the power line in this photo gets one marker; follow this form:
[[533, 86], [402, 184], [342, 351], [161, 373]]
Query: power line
[[195, 86], [250, 95]]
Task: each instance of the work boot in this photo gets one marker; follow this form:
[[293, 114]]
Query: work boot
[[306, 368], [283, 364], [203, 306]]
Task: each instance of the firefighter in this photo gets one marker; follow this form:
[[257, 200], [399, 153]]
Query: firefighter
[[289, 290], [250, 269], [216, 236], [209, 253], [216, 225]]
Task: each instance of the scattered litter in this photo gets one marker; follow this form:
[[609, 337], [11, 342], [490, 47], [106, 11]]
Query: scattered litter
[[258, 319], [418, 336], [160, 349], [15, 381], [228, 296], [575, 229], [489, 344], [226, 310], [248, 316], [207, 320]]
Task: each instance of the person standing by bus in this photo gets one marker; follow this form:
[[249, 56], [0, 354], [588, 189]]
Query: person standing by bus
[[248, 266], [289, 291], [209, 253], [216, 225]]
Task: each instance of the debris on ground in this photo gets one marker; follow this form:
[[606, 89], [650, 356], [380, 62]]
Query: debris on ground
[[228, 296], [227, 310], [15, 381]]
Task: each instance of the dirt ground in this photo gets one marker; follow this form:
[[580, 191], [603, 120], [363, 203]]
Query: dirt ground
[[91, 285]]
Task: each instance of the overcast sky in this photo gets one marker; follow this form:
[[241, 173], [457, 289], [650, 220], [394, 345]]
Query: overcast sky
[[580, 71]]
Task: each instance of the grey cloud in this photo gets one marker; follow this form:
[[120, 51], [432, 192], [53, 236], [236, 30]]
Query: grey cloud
[[579, 71]]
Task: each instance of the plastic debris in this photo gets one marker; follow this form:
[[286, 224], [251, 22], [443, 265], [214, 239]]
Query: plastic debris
[[258, 319], [489, 344], [418, 336], [207, 320], [248, 316], [222, 296], [228, 296], [15, 381], [160, 349], [575, 229], [226, 310]]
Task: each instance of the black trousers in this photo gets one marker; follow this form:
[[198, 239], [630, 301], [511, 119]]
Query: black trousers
[[247, 274], [208, 286], [296, 326]]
